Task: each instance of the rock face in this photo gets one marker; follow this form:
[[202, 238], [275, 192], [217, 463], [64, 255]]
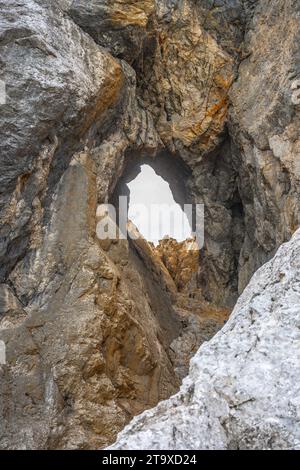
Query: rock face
[[181, 260], [69, 374], [90, 347], [52, 105], [242, 391], [264, 123], [120, 26], [200, 320], [96, 332]]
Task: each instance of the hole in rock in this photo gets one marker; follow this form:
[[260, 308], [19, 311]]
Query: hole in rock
[[153, 209], [162, 278], [157, 197]]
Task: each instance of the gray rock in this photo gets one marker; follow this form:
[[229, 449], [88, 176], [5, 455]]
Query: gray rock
[[88, 326], [264, 125], [53, 99], [121, 27], [8, 301], [242, 391]]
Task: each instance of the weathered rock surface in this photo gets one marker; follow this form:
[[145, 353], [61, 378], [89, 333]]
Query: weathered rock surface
[[91, 347], [243, 388], [82, 357], [120, 26], [200, 320], [250, 183], [264, 123], [64, 90], [181, 260], [96, 332]]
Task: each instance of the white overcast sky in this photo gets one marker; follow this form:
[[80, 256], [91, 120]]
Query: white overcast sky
[[153, 221]]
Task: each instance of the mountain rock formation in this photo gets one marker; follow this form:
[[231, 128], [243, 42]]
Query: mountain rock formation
[[241, 392], [98, 331]]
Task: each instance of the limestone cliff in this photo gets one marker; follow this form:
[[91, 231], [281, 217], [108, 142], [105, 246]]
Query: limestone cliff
[[206, 92]]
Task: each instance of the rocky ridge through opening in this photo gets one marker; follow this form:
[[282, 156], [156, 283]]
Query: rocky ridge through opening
[[152, 208], [200, 319]]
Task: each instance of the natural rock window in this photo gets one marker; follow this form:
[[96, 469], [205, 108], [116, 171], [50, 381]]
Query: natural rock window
[[169, 249], [153, 210]]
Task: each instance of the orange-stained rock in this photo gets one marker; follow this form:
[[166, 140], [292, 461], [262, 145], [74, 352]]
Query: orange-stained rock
[[180, 258]]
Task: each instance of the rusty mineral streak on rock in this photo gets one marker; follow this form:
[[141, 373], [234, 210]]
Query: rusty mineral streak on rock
[[131, 12]]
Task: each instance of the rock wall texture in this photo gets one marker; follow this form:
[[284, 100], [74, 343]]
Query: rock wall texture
[[181, 260], [95, 333], [264, 124], [200, 319], [241, 392]]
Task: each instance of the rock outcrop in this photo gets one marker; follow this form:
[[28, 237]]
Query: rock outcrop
[[200, 320], [96, 332], [69, 374], [181, 260], [242, 391], [264, 124]]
